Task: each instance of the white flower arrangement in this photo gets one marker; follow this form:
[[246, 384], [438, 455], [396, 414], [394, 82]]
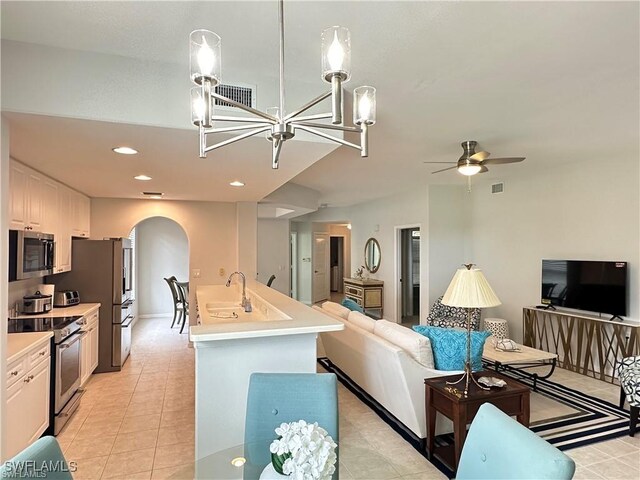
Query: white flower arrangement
[[304, 451]]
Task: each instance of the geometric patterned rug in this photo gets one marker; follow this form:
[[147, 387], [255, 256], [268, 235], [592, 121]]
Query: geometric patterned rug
[[585, 419]]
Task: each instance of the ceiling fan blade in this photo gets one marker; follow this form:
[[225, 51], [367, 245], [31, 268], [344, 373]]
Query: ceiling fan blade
[[445, 169], [483, 169], [480, 155], [442, 162], [498, 161]]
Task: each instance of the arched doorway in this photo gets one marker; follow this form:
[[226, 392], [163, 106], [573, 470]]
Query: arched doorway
[[161, 250]]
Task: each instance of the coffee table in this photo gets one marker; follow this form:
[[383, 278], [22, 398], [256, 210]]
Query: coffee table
[[512, 399], [525, 357]]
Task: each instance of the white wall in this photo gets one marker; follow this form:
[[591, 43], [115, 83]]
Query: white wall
[[586, 211], [380, 218], [273, 253], [211, 228], [448, 236], [162, 251], [4, 267]]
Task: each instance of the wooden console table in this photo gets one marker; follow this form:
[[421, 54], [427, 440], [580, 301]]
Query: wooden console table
[[367, 293], [512, 399], [585, 344]]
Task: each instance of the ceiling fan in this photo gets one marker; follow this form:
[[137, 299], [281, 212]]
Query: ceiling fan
[[471, 162]]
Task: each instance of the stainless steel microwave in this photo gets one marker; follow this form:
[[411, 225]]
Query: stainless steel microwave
[[31, 254]]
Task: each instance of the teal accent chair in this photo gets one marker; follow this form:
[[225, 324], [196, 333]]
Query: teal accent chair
[[43, 455], [276, 398], [498, 447]]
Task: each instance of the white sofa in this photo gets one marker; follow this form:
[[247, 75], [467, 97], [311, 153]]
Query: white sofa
[[387, 372]]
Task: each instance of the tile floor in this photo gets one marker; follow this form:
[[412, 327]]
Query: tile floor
[[139, 423]]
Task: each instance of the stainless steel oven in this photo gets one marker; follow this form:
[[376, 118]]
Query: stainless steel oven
[[31, 254], [67, 366]]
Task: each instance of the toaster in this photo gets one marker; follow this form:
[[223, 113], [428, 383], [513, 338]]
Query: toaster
[[66, 298]]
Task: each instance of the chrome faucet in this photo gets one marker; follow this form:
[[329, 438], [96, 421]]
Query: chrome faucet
[[245, 303]]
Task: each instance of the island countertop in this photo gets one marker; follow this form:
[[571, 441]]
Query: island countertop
[[302, 319]]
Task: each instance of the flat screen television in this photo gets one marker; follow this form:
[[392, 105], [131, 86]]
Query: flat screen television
[[593, 286]]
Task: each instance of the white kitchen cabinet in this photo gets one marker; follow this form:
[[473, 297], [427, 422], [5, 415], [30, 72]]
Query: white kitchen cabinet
[[89, 346], [50, 209], [63, 232], [26, 192], [17, 196], [80, 211], [28, 400]]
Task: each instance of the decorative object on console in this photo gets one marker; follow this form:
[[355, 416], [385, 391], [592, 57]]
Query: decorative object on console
[[360, 272], [445, 316], [351, 305], [336, 69], [498, 327], [372, 255], [507, 345], [629, 375], [449, 347], [469, 289], [303, 450]]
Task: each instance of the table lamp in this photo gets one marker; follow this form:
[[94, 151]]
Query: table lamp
[[469, 289]]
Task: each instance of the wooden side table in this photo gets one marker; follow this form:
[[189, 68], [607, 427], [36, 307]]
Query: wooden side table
[[513, 399]]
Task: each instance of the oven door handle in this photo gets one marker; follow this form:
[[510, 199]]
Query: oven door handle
[[67, 343], [126, 324]]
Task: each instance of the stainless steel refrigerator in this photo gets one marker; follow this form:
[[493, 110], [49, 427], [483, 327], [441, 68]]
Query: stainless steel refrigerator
[[101, 271]]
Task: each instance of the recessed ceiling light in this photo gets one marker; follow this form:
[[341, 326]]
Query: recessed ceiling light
[[142, 177], [125, 150], [237, 183], [154, 195]]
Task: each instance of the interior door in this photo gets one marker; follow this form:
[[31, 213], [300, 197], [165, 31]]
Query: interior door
[[320, 267]]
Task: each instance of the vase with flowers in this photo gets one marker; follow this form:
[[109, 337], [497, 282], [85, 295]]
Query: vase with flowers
[[302, 451]]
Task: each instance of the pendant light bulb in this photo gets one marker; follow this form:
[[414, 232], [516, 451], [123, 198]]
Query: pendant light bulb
[[335, 55], [364, 107], [198, 106], [206, 58]]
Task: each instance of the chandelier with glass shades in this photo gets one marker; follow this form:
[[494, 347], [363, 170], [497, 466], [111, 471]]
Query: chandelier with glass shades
[[280, 126]]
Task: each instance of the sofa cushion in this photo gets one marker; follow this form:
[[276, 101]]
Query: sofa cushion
[[352, 305], [416, 345], [450, 347], [336, 309], [362, 321]]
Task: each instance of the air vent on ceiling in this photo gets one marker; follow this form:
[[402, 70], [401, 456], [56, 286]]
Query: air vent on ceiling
[[497, 187], [244, 95]]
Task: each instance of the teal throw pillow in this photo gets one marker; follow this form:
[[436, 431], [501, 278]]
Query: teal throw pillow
[[351, 305], [450, 347]]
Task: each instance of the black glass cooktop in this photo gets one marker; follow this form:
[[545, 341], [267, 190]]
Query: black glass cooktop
[[40, 324]]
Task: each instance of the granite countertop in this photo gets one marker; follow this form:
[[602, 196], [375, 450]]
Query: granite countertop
[[20, 343], [79, 310]]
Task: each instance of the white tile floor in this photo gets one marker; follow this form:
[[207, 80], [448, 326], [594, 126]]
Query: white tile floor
[[139, 423]]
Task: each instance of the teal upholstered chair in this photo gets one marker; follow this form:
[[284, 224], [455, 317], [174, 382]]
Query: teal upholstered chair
[[276, 398], [498, 447], [43, 455]]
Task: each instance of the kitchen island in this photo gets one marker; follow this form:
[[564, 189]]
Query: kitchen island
[[278, 335]]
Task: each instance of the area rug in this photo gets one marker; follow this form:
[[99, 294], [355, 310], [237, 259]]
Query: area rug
[[565, 417]]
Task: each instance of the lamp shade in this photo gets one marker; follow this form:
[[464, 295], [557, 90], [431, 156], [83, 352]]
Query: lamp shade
[[470, 289]]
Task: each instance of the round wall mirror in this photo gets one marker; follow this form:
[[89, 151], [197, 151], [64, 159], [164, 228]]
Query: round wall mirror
[[372, 255]]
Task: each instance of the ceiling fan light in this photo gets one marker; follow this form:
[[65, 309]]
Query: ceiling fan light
[[469, 169]]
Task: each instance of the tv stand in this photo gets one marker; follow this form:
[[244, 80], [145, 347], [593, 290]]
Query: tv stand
[[585, 344], [547, 307]]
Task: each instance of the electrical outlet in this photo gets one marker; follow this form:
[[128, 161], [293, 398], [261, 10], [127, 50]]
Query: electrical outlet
[[195, 273], [221, 272]]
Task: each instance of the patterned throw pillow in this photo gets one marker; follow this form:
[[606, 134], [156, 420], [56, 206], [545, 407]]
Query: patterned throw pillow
[[450, 347], [351, 305]]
